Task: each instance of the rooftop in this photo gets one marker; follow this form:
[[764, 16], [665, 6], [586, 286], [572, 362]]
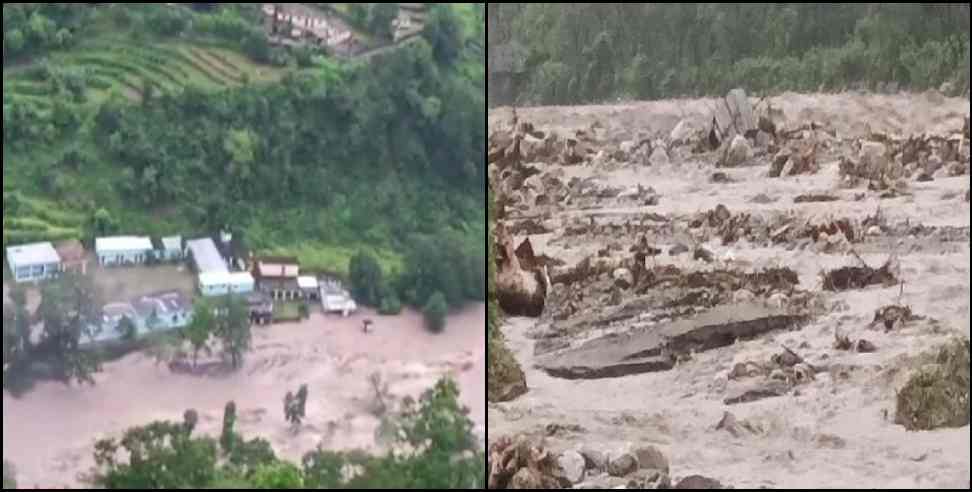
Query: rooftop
[[277, 270], [206, 256], [32, 254], [162, 304], [307, 282], [172, 243], [122, 243]]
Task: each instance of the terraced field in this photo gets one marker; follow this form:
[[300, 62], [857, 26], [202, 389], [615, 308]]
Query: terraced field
[[132, 68], [39, 220]]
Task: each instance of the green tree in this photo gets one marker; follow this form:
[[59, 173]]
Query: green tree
[[228, 437], [380, 17], [365, 274], [17, 344], [200, 328], [295, 406], [13, 42], [189, 420], [278, 476], [69, 311], [443, 31], [390, 304], [435, 313], [160, 455], [126, 328], [241, 147], [103, 224], [234, 329]]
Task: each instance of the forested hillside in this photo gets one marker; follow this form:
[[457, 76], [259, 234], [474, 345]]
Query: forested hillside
[[579, 53], [156, 119]]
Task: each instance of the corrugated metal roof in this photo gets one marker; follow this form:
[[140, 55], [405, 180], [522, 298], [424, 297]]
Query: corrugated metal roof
[[122, 244], [32, 254], [277, 270], [172, 243], [206, 256], [307, 282]]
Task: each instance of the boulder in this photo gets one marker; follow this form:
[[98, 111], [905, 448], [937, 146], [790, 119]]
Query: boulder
[[612, 356], [572, 464], [650, 458], [740, 111], [947, 89], [623, 278], [874, 157], [934, 97], [526, 479], [738, 153], [649, 480], [594, 459], [763, 139], [698, 482], [678, 249], [659, 157], [520, 292], [683, 133], [622, 465], [507, 381]]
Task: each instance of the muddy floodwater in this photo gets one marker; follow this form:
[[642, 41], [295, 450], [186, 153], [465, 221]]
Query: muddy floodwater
[[593, 187], [49, 433]]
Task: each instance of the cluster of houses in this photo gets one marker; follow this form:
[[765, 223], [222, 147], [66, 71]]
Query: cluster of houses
[[316, 30], [262, 281], [157, 313], [42, 261]]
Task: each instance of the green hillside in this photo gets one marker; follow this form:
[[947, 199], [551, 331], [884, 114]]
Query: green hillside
[[163, 119]]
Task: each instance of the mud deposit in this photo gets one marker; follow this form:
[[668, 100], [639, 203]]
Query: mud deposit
[[724, 296]]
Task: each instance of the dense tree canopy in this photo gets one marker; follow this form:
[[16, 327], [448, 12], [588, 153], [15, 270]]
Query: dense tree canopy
[[69, 310], [167, 455], [586, 52], [435, 312], [365, 275]]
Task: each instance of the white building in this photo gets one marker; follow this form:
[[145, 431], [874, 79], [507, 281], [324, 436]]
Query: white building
[[335, 299], [225, 283], [123, 250], [309, 287], [206, 256], [171, 249], [32, 262]]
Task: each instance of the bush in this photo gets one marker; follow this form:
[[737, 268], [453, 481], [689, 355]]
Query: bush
[[366, 279], [938, 394], [256, 46], [168, 21], [390, 306], [303, 310], [435, 313]]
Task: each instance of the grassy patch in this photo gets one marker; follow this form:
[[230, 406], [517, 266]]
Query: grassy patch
[[286, 311], [320, 258], [937, 395]]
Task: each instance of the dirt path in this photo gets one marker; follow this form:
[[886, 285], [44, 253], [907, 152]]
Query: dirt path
[[50, 432], [833, 432]]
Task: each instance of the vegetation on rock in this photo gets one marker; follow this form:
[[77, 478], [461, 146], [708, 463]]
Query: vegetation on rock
[[937, 395]]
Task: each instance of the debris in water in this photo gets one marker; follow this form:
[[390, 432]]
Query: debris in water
[[815, 199], [848, 278]]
